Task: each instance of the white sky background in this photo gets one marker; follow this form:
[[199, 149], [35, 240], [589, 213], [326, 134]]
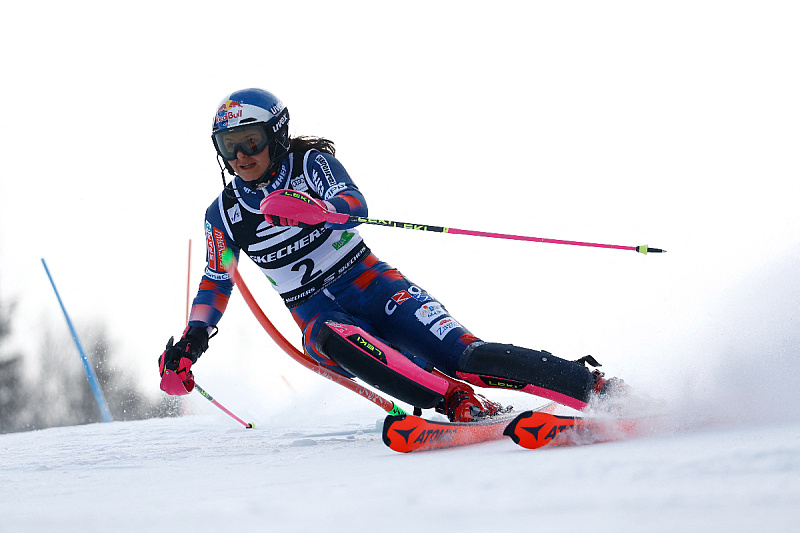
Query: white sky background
[[673, 124]]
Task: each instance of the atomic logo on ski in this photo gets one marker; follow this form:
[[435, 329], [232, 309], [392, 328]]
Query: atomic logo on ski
[[422, 436], [405, 433], [526, 429], [534, 431], [445, 435]]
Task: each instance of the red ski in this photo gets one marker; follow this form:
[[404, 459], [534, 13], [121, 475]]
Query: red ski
[[533, 429], [408, 433]]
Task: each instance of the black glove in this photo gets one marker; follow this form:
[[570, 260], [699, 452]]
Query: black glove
[[177, 360]]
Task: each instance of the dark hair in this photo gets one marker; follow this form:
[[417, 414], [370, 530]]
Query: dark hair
[[305, 143]]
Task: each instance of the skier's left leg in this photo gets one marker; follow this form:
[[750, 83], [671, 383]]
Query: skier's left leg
[[403, 319], [347, 345], [411, 320]]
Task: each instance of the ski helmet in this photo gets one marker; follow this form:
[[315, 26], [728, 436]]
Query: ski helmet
[[257, 110]]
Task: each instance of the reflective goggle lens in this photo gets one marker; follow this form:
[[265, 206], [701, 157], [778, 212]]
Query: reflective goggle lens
[[249, 140]]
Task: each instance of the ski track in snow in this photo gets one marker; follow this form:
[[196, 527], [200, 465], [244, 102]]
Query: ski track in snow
[[202, 473]]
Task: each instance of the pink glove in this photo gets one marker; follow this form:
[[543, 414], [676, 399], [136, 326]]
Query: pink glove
[[176, 371], [175, 364], [292, 208]]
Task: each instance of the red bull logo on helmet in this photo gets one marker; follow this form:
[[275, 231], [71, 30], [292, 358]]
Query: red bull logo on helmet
[[231, 113], [228, 105], [229, 110]]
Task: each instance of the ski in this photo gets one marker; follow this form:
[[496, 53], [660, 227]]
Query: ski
[[408, 433], [533, 429]]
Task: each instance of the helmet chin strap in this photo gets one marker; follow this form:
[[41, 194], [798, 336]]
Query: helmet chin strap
[[222, 168]]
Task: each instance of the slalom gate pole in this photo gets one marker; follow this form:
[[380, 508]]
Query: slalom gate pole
[[387, 405], [211, 399], [93, 382], [643, 249], [188, 281]]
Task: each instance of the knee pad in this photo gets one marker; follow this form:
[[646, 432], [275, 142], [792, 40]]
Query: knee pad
[[380, 365], [509, 366]]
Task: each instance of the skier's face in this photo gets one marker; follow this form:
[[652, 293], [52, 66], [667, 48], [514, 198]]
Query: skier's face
[[250, 167]]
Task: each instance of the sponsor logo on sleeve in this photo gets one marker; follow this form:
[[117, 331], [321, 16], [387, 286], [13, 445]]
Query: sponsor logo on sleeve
[[336, 189], [444, 326], [317, 182], [217, 276], [429, 312], [219, 241], [212, 254], [326, 169]]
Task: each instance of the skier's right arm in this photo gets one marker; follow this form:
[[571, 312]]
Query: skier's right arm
[[208, 307]]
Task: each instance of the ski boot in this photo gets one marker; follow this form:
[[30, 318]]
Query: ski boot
[[462, 404], [609, 388], [604, 388], [611, 396]]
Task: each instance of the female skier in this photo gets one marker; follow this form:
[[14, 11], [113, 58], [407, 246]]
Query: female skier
[[287, 208]]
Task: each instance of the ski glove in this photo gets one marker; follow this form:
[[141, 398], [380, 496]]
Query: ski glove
[[292, 208], [175, 363]]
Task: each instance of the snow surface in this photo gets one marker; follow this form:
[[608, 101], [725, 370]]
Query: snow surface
[[315, 461], [318, 471]]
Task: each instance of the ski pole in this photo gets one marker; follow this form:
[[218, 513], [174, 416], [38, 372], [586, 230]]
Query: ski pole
[[643, 249], [200, 389], [211, 399], [387, 405]]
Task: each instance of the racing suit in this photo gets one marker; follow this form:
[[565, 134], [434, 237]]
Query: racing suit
[[323, 272]]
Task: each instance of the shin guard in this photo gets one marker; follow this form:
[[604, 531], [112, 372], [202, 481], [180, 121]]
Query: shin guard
[[380, 365], [505, 366]]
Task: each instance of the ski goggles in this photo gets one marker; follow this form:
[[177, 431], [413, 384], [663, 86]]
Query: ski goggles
[[250, 139]]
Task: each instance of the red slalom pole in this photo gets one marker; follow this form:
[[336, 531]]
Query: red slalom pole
[[188, 280], [387, 405], [211, 399], [334, 217]]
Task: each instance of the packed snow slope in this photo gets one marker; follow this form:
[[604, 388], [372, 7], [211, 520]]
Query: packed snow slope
[[315, 461], [333, 473]]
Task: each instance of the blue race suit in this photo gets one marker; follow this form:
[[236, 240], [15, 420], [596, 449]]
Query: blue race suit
[[324, 272]]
